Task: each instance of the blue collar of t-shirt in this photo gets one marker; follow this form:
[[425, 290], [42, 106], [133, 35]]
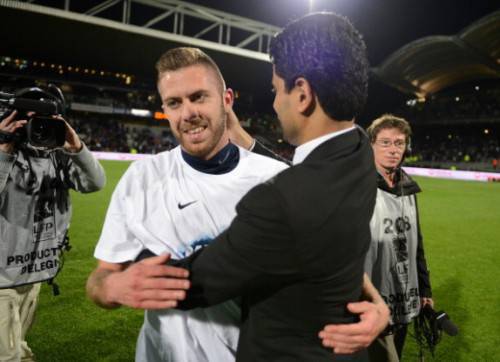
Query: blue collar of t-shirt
[[224, 161]]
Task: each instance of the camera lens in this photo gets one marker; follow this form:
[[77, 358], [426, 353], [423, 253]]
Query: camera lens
[[41, 132], [46, 132]]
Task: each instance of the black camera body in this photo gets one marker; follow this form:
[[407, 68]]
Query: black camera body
[[42, 129], [46, 132]]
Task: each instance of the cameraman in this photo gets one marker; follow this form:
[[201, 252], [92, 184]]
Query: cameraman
[[35, 212], [395, 261]]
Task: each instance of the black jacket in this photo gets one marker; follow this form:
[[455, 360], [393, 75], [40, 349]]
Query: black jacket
[[294, 252]]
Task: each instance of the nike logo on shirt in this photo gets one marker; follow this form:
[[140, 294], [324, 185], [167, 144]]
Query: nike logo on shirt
[[181, 206]]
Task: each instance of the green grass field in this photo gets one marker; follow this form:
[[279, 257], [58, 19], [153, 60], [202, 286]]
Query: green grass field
[[461, 225]]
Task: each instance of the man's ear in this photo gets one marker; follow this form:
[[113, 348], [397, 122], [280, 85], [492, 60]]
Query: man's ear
[[305, 95], [228, 99]]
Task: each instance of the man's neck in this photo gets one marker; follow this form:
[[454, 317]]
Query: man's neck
[[388, 174]]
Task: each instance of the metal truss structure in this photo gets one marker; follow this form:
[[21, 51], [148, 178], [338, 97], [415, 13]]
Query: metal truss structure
[[173, 20]]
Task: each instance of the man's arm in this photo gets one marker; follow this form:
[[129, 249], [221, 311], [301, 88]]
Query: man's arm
[[424, 282], [374, 316], [234, 264], [84, 172], [8, 126], [242, 138], [237, 133], [149, 284]]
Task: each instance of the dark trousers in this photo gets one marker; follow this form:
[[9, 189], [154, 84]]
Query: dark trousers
[[361, 356], [389, 347], [399, 338]]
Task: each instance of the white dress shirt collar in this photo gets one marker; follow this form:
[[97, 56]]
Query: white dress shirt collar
[[302, 151]]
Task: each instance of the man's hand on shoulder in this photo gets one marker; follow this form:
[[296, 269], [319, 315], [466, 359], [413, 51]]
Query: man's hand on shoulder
[[237, 133]]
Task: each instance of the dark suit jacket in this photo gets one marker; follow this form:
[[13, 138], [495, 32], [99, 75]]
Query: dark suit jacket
[[295, 252]]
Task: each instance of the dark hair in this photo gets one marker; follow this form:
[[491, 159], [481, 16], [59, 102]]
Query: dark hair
[[389, 121], [330, 54], [182, 57]]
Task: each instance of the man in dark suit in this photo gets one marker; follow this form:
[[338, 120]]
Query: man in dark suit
[[296, 249]]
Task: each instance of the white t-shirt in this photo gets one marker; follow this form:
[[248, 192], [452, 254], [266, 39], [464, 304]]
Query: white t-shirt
[[164, 205]]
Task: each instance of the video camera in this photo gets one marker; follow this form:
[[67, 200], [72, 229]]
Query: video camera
[[429, 327], [42, 130]]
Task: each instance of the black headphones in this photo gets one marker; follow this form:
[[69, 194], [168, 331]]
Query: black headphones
[[408, 149]]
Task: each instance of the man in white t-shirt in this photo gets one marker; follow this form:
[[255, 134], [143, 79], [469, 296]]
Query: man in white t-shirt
[[176, 202]]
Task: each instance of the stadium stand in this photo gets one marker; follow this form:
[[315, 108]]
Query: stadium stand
[[457, 129], [452, 83]]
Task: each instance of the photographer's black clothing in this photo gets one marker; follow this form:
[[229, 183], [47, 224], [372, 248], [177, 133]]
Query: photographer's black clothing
[[35, 209], [399, 339]]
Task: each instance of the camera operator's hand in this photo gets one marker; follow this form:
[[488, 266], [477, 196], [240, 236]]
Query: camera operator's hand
[[424, 301], [72, 143], [9, 125]]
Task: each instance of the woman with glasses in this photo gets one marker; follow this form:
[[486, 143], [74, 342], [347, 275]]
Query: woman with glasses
[[395, 261]]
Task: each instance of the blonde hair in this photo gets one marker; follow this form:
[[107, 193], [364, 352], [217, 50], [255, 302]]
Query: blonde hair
[[182, 57], [388, 121]]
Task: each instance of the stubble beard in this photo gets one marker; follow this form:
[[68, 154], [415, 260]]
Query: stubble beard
[[204, 149]]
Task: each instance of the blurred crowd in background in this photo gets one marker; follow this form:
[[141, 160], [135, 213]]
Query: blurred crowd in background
[[458, 129]]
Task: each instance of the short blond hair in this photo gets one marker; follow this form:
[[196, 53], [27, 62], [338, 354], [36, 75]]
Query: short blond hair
[[388, 121], [177, 58]]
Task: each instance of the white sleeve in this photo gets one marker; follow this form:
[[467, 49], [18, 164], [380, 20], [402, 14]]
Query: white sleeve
[[274, 168], [281, 166], [116, 243]]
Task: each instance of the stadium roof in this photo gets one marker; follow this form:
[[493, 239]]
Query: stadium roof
[[75, 38], [428, 65], [98, 37]]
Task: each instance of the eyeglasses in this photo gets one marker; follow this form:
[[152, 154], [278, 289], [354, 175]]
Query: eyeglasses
[[386, 143]]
